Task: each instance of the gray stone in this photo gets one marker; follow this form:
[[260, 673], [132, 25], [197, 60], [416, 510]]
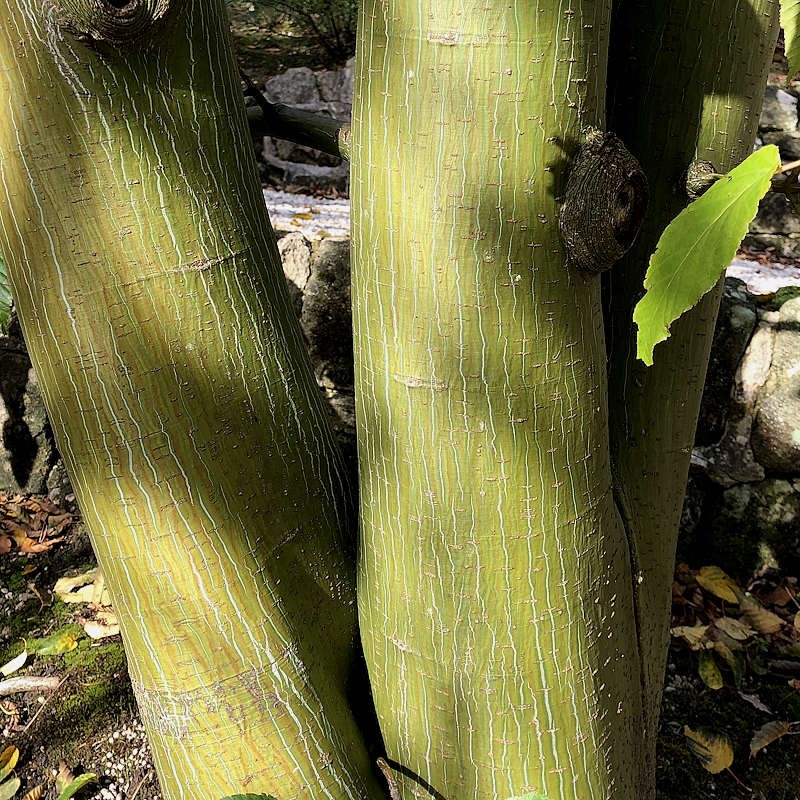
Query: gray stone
[[782, 246], [739, 368], [295, 252], [27, 448], [730, 540], [776, 432], [336, 86], [779, 112], [776, 215], [788, 143], [745, 526], [735, 325], [59, 488], [754, 369], [296, 86], [300, 154], [731, 461], [774, 512], [327, 318], [320, 277], [311, 176]]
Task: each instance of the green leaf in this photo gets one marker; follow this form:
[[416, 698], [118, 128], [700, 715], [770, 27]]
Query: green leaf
[[5, 297], [790, 22], [9, 788], [698, 245], [59, 642], [530, 796], [75, 786]]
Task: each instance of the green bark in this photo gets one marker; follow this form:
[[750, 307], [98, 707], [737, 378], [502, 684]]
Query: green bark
[[150, 292], [687, 83], [494, 580]]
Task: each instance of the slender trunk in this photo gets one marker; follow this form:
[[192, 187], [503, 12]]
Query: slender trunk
[[149, 288], [494, 581], [687, 82]]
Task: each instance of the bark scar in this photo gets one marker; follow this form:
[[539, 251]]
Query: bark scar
[[124, 24], [604, 203]]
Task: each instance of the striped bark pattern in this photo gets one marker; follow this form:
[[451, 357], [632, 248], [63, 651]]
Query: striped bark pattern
[[149, 287], [494, 583], [687, 83]]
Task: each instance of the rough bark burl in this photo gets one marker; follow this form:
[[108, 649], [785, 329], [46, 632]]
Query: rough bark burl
[[120, 23], [700, 177], [604, 203]]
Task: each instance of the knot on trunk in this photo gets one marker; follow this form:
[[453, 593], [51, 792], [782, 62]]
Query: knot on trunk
[[604, 203], [700, 177], [122, 23]]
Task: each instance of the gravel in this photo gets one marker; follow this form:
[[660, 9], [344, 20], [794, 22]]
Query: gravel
[[315, 218]]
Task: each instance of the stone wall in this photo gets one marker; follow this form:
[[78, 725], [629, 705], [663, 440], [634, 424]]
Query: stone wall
[[777, 226], [743, 501]]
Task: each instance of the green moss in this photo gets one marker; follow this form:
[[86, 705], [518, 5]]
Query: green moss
[[17, 582], [96, 691], [88, 656]]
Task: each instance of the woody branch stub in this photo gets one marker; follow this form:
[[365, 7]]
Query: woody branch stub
[[605, 200]]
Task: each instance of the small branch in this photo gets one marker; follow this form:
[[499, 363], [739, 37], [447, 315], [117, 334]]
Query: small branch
[[788, 167], [384, 767], [28, 683], [45, 704], [324, 133], [140, 784]]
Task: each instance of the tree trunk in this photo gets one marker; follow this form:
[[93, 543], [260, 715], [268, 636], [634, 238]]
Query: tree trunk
[[509, 587], [494, 580], [683, 87], [149, 288]]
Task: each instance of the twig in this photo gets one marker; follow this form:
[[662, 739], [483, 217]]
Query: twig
[[394, 793], [44, 705], [734, 776], [140, 784], [28, 683]]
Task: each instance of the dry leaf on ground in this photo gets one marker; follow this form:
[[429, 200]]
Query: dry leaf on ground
[[719, 583], [713, 750], [758, 617], [734, 628], [693, 635], [767, 734]]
